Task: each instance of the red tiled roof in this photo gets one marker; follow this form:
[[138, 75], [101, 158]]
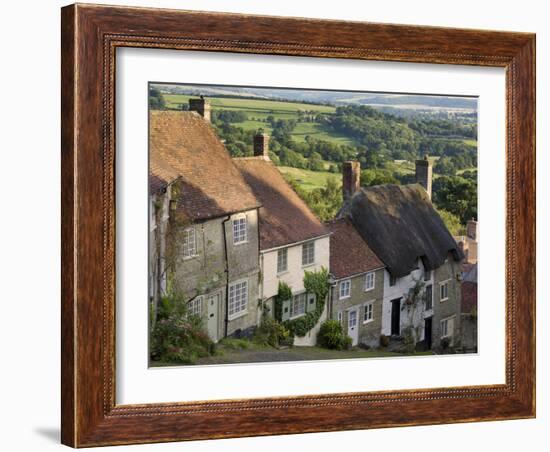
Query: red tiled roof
[[185, 146], [284, 217], [469, 297], [349, 253]]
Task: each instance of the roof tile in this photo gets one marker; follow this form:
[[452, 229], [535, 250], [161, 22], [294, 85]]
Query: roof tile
[[284, 217], [349, 253], [183, 145]]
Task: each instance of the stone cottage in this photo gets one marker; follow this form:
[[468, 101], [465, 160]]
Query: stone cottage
[[357, 291], [469, 310], [204, 223], [292, 238], [421, 298]]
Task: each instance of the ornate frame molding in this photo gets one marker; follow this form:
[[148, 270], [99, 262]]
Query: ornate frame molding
[[90, 37]]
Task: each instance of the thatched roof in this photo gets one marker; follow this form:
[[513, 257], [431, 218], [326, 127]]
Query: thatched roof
[[400, 225]]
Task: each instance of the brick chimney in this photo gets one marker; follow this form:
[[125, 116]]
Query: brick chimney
[[423, 174], [201, 106], [351, 178], [471, 229], [261, 145]]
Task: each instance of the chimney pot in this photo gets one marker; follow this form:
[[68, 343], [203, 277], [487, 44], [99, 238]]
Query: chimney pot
[[423, 174], [201, 106], [351, 178], [261, 145]]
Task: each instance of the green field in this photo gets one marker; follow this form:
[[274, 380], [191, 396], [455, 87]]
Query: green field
[[307, 179], [259, 110], [255, 108]]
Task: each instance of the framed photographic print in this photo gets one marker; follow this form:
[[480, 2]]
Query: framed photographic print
[[280, 225]]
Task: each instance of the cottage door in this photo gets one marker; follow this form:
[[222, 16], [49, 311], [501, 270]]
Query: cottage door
[[428, 333], [213, 302], [396, 317], [353, 330]]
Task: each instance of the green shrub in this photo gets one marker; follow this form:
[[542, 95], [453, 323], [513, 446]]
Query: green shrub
[[270, 332], [177, 336], [331, 335], [283, 293]]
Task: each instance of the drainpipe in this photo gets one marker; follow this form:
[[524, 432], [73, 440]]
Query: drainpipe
[[226, 270], [332, 284]]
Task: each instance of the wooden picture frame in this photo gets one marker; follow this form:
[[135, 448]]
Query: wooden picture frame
[[90, 36]]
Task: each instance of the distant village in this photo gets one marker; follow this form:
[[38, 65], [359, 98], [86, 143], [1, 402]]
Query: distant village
[[240, 248]]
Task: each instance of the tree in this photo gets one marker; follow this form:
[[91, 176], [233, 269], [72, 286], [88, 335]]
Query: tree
[[315, 162], [325, 202], [451, 221], [156, 99], [457, 196], [371, 177]]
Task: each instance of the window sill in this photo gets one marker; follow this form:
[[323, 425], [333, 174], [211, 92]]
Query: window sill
[[282, 273], [367, 321], [444, 300], [240, 243], [308, 265], [296, 316], [370, 289], [344, 298], [237, 316]]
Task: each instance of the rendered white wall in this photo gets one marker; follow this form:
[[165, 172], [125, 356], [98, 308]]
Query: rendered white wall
[[294, 276]]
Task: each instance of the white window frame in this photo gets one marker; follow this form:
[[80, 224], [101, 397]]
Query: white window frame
[[367, 276], [444, 284], [280, 253], [446, 321], [344, 293], [293, 304], [237, 308], [194, 307], [191, 251], [240, 235], [368, 308], [310, 254]]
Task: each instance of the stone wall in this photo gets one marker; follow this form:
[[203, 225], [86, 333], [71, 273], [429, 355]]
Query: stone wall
[[369, 332], [450, 308]]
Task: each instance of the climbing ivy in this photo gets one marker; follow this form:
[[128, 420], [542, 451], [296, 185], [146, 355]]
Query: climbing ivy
[[283, 293], [316, 283]]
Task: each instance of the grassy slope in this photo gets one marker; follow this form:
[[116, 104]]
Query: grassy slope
[[261, 109], [257, 108], [307, 179]]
